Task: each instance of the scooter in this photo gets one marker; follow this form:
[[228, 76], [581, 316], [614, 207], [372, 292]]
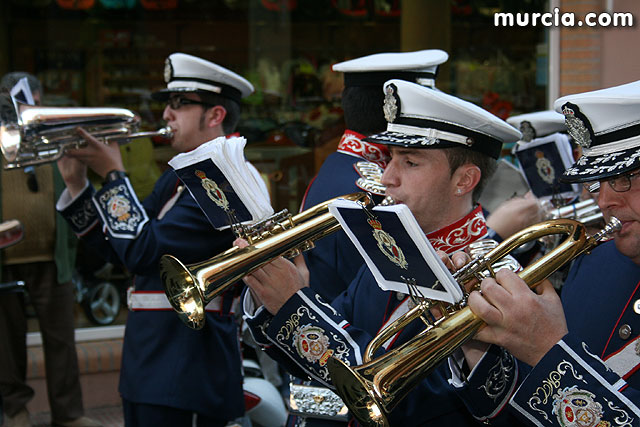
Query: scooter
[[263, 401], [100, 287]]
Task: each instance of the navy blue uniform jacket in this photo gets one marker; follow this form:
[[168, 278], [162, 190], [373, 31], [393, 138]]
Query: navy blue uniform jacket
[[164, 362], [590, 377]]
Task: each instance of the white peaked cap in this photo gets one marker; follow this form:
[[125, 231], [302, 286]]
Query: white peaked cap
[[188, 73], [373, 70], [606, 123], [420, 117]]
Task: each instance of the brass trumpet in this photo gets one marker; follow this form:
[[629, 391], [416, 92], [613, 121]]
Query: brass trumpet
[[31, 135], [190, 287], [373, 389]]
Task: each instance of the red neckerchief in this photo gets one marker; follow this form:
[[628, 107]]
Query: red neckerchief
[[352, 143], [458, 235]]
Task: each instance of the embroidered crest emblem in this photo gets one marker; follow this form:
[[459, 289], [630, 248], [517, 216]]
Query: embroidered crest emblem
[[168, 70], [391, 106], [312, 343], [577, 124], [575, 407], [119, 207], [387, 245], [545, 168], [120, 210], [213, 191], [528, 131]]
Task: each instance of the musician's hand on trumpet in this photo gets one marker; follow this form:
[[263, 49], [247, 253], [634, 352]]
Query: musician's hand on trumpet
[[473, 350], [525, 322], [101, 157], [276, 282], [74, 174]]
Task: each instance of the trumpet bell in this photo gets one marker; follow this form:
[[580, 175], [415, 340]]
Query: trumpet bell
[[356, 390], [185, 296]]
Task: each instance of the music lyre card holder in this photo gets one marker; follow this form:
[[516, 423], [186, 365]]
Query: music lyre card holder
[[396, 250], [219, 179], [22, 92], [543, 161]]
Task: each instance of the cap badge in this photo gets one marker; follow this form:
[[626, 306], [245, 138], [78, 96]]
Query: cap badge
[[528, 131], [391, 105], [577, 125], [168, 70]]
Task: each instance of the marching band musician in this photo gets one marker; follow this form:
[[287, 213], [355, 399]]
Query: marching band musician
[[584, 349], [357, 164], [170, 374], [443, 149], [541, 127]]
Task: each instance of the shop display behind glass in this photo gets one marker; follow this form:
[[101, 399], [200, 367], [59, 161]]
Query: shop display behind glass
[[109, 56]]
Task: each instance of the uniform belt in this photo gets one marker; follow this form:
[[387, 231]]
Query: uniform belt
[[626, 360], [157, 300]]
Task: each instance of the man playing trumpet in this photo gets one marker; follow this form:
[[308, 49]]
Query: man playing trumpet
[[442, 151], [170, 374], [585, 347]]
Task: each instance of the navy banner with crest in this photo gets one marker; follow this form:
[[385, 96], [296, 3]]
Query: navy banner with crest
[[214, 193], [396, 251], [543, 161]]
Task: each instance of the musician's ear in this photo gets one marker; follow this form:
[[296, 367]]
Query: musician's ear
[[466, 178], [215, 115]]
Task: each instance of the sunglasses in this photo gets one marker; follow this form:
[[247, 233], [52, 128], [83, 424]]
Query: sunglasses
[[177, 102]]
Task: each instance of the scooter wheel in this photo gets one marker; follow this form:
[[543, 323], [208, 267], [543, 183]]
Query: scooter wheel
[[102, 303]]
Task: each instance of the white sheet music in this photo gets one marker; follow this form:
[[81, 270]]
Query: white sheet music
[[228, 155]]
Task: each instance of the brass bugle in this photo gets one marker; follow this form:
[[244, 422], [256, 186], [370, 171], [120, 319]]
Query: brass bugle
[[190, 288], [373, 389], [32, 135]]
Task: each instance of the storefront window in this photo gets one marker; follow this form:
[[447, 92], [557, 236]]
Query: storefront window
[[112, 52]]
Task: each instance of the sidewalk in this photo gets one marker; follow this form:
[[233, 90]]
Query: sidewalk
[[99, 353], [109, 416]]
